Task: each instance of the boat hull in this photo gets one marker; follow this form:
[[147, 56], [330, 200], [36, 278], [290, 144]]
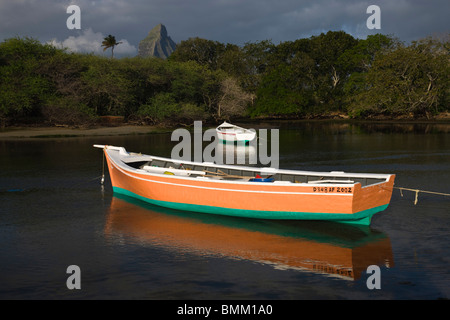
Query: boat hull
[[347, 204], [362, 217], [235, 137]]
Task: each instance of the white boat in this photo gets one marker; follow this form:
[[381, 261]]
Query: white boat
[[228, 132]]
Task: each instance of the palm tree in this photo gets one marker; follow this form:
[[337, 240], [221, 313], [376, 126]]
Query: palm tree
[[110, 42]]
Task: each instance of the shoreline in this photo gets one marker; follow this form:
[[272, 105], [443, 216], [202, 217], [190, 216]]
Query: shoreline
[[48, 132], [18, 133]]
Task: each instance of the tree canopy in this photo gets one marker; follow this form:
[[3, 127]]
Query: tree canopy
[[208, 80]]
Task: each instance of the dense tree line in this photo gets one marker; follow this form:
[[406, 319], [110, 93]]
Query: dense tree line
[[208, 80], [333, 72], [43, 84]]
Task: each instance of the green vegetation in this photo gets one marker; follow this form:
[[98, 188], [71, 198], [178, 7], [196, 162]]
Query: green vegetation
[[207, 80]]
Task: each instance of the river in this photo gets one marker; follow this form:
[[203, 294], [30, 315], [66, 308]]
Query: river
[[54, 213]]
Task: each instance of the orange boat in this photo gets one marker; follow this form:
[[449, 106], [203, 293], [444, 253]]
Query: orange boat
[[318, 247], [250, 192]]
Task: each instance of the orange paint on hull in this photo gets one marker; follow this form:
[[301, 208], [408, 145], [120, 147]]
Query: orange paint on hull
[[328, 198], [278, 244], [265, 197], [254, 196], [371, 196]]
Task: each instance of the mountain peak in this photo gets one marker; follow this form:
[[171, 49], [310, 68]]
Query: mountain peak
[[161, 29], [157, 43]]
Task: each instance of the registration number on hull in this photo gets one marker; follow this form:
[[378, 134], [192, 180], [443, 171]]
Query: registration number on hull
[[332, 189]]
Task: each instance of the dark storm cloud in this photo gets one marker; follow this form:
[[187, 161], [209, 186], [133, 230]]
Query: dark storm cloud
[[228, 21]]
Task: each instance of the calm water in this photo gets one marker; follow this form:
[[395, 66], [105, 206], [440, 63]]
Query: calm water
[[54, 213]]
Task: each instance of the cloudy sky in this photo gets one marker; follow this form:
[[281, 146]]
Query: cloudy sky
[[227, 21]]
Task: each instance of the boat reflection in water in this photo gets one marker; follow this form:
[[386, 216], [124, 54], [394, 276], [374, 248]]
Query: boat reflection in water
[[235, 154], [323, 247]]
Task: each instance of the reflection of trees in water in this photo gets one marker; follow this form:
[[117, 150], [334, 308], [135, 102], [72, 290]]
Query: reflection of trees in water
[[360, 127]]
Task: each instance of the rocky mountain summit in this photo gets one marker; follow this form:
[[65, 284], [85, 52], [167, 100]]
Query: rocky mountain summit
[[157, 43]]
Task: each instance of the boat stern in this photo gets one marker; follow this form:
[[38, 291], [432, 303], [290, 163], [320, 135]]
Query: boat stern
[[371, 199]]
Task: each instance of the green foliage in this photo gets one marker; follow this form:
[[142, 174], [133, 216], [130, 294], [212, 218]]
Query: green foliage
[[53, 86], [63, 110], [110, 42], [409, 80], [304, 77], [164, 108], [160, 107], [205, 79], [283, 92], [204, 52], [106, 87], [22, 88]]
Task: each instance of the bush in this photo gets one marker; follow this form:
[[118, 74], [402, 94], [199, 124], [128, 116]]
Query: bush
[[159, 108], [65, 111]]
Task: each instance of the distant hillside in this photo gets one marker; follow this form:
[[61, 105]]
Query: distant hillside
[[157, 43]]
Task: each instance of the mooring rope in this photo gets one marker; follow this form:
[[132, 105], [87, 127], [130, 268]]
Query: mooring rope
[[103, 168], [417, 193]]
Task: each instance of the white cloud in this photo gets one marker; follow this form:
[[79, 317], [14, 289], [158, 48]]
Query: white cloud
[[90, 42], [233, 21]]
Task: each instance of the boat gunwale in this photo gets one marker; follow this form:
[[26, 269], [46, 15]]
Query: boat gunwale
[[271, 170], [244, 134], [119, 161], [233, 126]]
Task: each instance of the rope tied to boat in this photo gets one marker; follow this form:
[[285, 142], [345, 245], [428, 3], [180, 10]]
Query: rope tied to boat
[[103, 168], [416, 199]]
